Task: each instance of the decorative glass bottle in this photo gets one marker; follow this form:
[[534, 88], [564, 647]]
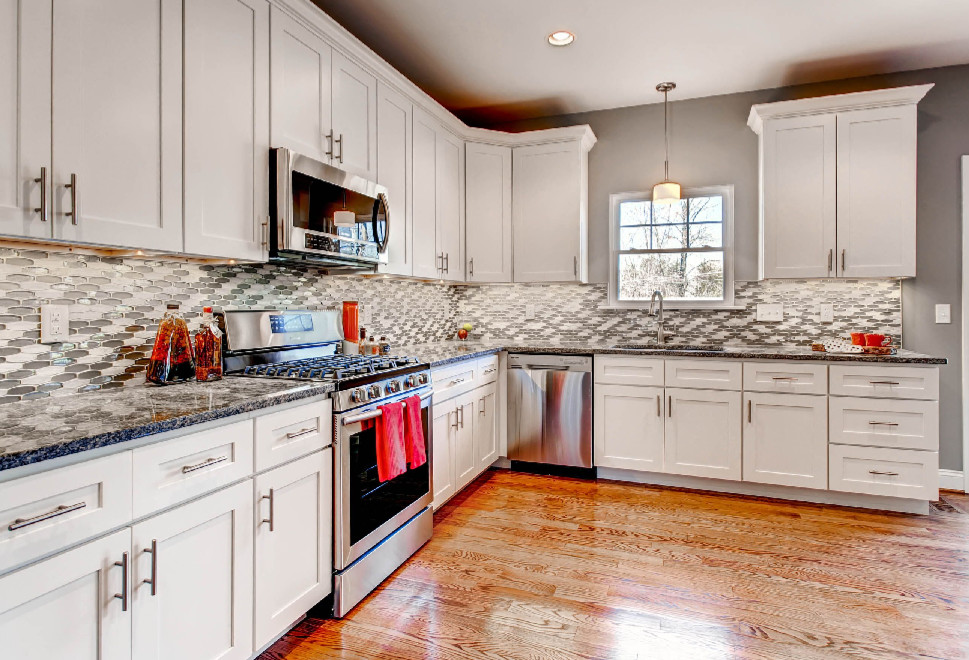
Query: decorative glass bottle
[[171, 357], [208, 349]]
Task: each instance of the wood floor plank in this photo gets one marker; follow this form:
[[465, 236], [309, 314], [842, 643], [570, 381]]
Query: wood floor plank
[[527, 567]]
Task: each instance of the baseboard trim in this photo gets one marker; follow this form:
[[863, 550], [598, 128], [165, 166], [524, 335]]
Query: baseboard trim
[[952, 480]]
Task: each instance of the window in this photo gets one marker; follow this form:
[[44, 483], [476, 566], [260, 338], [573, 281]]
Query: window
[[684, 249]]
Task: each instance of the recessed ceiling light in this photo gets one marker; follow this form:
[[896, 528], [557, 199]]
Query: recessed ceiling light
[[561, 38]]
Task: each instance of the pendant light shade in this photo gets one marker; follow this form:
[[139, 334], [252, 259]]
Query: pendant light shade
[[666, 191]]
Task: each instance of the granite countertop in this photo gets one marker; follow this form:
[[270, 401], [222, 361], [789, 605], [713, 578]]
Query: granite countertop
[[446, 352], [33, 431]]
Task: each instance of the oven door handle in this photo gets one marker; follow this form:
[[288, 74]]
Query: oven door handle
[[373, 414]]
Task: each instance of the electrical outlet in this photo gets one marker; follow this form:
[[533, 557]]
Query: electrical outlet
[[826, 313], [943, 313], [529, 312], [770, 312], [55, 323]]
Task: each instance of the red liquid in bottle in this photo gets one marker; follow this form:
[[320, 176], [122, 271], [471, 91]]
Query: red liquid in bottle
[[171, 357], [208, 349]]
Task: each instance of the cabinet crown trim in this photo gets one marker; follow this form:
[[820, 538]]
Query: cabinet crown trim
[[878, 98]]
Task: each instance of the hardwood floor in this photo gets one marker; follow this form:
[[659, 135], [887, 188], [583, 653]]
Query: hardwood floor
[[525, 566]]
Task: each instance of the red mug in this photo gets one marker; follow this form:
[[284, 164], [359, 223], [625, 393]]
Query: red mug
[[872, 339], [858, 338]]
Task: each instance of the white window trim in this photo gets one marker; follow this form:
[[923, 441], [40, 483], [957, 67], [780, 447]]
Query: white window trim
[[728, 251]]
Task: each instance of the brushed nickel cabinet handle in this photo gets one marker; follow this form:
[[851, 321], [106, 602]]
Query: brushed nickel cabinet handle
[[882, 382], [483, 406], [20, 523], [669, 407], [43, 210], [659, 406], [204, 464], [272, 509], [783, 378], [447, 262], [750, 413], [490, 370], [455, 424], [830, 259], [153, 580], [329, 143], [339, 141], [73, 186], [471, 267], [575, 266], [301, 433], [883, 472], [842, 262], [456, 381], [883, 423], [123, 596]]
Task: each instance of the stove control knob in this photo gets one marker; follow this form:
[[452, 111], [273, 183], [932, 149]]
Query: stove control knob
[[422, 379], [358, 396], [393, 386], [410, 381], [374, 391]]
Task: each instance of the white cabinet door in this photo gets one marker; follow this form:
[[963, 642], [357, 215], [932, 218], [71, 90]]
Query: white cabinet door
[[786, 439], [442, 456], [201, 608], [876, 192], [294, 542], [486, 427], [227, 128], [799, 225], [465, 460], [703, 433], [427, 257], [450, 204], [394, 114], [548, 218], [628, 427], [117, 123], [300, 88], [488, 212], [354, 118], [25, 115], [64, 607]]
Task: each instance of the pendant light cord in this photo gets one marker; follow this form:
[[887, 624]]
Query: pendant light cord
[[666, 133]]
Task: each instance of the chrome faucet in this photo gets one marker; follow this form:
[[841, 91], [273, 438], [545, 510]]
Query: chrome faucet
[[660, 331]]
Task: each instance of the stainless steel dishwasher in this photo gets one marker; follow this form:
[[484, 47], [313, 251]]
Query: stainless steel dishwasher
[[550, 409]]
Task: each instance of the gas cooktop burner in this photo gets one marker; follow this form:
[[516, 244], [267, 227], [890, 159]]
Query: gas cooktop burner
[[329, 367]]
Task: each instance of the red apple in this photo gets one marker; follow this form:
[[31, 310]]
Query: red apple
[[462, 334]]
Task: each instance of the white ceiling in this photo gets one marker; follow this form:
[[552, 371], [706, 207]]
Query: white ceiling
[[488, 60]]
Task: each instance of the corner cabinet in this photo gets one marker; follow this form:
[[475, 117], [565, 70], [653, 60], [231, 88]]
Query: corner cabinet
[[838, 184], [550, 210]]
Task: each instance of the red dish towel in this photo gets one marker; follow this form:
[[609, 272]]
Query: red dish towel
[[391, 455], [414, 432]]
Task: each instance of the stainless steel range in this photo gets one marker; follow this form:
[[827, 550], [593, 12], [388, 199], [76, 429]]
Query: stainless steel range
[[377, 525]]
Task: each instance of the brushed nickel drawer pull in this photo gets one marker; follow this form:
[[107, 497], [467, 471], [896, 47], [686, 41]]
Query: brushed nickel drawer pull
[[783, 378], [153, 580], [42, 180], [750, 405], [20, 523], [73, 186], [123, 596], [669, 407], [272, 509], [471, 267], [882, 382], [883, 423], [659, 406], [883, 472], [489, 370], [456, 381], [301, 433], [484, 406], [204, 464], [830, 259]]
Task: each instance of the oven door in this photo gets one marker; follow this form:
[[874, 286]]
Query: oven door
[[366, 510]]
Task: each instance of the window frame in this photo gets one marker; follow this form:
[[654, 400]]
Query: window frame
[[615, 199]]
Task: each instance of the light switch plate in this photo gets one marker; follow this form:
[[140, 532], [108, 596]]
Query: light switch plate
[[770, 312], [826, 313], [55, 323], [529, 312], [943, 313]]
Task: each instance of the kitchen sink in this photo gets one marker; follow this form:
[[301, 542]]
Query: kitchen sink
[[699, 348]]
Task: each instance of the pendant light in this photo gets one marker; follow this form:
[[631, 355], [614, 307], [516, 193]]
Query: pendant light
[[666, 192]]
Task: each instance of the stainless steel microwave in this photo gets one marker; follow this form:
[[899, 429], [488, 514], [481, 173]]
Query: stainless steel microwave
[[324, 215]]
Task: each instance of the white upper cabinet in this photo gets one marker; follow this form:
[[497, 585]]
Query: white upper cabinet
[[25, 71], [450, 204], [488, 212], [838, 183], [300, 105], [549, 211], [354, 118], [426, 256], [227, 128], [117, 123], [394, 114]]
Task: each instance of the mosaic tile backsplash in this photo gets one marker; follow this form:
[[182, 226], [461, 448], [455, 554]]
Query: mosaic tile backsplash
[[116, 303]]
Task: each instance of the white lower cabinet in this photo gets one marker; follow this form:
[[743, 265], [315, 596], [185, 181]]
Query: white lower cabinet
[[703, 433], [442, 454], [786, 439], [293, 542], [465, 462], [881, 471], [486, 427], [628, 427], [64, 607], [197, 558]]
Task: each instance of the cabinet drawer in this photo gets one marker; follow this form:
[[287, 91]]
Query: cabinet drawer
[[487, 370], [178, 470], [288, 434], [880, 423], [55, 509], [786, 377], [453, 379], [885, 382], [704, 374], [880, 471], [628, 370]]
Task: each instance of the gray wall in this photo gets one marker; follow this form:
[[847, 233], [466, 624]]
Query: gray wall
[[711, 144]]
